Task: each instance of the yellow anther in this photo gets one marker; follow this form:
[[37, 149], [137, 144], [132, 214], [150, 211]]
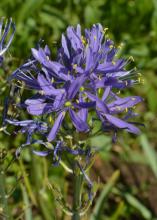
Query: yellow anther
[[18, 81], [113, 62], [83, 39], [52, 80], [142, 81], [131, 58], [95, 37], [50, 119], [74, 66], [126, 109], [99, 91], [81, 88], [139, 74], [120, 45], [68, 137], [68, 104], [111, 46], [118, 92], [105, 29], [139, 79]]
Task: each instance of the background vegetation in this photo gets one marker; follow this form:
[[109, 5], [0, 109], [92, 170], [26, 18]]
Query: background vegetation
[[132, 195]]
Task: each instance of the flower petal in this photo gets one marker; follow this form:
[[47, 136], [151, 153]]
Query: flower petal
[[47, 87], [42, 153], [75, 85], [39, 109], [79, 124], [56, 126], [122, 124], [121, 104], [101, 106]]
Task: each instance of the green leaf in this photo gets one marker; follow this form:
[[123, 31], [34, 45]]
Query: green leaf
[[27, 209], [119, 211], [150, 153], [104, 195], [138, 205]]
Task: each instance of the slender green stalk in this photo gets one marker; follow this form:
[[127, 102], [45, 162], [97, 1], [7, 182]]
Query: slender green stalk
[[3, 197], [77, 194]]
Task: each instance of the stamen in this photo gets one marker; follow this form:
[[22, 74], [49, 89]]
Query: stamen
[[120, 46], [68, 104], [131, 58], [74, 66], [105, 29], [50, 119], [83, 39], [139, 74], [81, 88], [113, 62]]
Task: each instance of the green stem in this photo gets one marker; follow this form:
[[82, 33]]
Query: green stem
[[3, 197], [77, 194]]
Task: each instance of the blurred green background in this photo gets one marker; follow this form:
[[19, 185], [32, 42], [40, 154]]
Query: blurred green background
[[134, 194]]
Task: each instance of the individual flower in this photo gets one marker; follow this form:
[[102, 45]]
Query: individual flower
[[29, 128], [106, 111], [59, 149]]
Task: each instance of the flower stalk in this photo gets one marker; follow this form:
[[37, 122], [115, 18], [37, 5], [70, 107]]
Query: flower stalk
[[78, 178]]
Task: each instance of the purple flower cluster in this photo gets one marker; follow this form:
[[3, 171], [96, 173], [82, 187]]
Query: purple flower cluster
[[66, 96], [84, 81]]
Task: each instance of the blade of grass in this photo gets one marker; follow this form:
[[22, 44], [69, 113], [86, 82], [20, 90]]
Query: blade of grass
[[27, 183], [138, 205], [104, 195], [27, 211], [42, 199], [150, 153], [119, 211]]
